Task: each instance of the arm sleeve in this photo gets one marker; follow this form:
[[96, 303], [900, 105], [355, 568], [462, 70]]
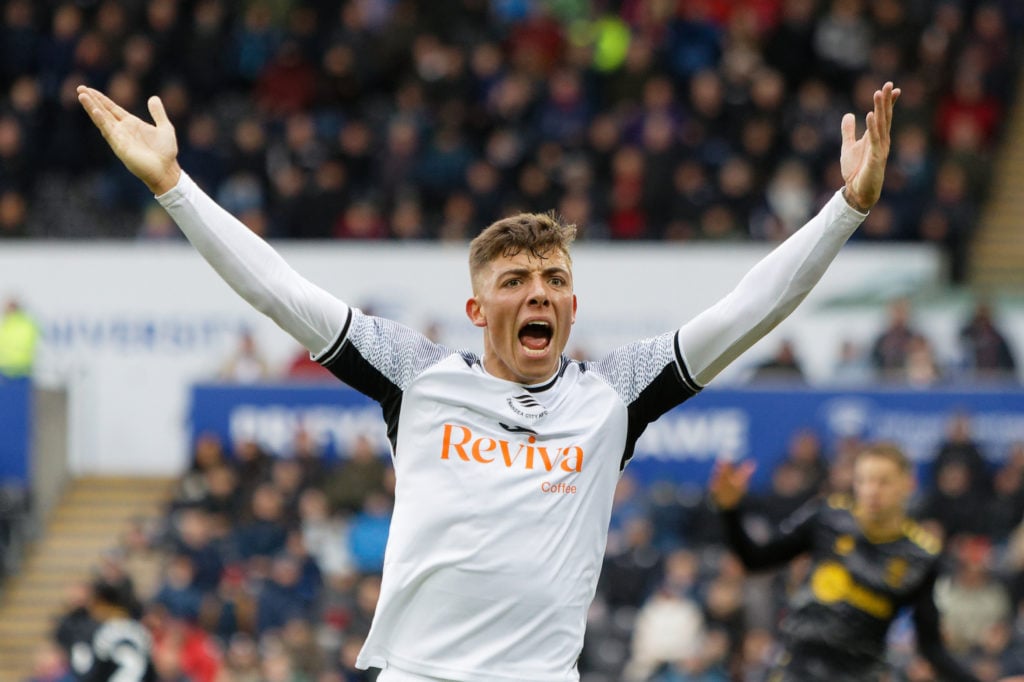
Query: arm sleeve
[[254, 270], [795, 536], [929, 636], [768, 293]]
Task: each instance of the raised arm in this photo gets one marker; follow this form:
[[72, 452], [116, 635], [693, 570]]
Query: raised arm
[[246, 262], [728, 487], [778, 283]]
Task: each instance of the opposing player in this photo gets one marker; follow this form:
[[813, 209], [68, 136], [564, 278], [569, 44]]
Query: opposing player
[[505, 462], [868, 562]]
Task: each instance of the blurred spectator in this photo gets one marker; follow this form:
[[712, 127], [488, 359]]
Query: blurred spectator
[[891, 349], [13, 214], [986, 353], [670, 624], [252, 466], [178, 592], [195, 539], [707, 665], [922, 367], [75, 624], [263, 536], [19, 337], [791, 487], [957, 508], [359, 475], [977, 598], [207, 453], [246, 364], [959, 445], [782, 367], [630, 575], [1006, 507], [50, 665], [368, 533], [806, 451], [183, 651], [852, 368], [286, 475], [280, 596], [325, 535]]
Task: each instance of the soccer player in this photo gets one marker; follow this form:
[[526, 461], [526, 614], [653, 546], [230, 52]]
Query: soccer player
[[868, 562], [505, 462], [120, 647]]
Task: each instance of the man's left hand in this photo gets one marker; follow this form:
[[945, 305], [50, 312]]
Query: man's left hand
[[863, 161]]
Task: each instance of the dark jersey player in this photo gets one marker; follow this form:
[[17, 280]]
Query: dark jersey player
[[119, 648], [869, 561]]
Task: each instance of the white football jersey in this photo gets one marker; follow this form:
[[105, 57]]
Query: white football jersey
[[503, 498]]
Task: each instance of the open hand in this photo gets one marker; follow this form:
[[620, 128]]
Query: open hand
[[149, 151], [729, 482], [862, 161]]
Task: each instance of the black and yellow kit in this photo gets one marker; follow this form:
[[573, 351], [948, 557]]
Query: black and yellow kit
[[835, 626]]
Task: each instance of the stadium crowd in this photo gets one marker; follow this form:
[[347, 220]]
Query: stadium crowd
[[272, 567], [387, 119]]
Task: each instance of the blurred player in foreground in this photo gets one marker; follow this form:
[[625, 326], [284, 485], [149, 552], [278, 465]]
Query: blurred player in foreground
[[506, 462], [869, 561], [119, 647]]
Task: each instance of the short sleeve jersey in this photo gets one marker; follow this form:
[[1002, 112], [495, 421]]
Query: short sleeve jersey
[[503, 499]]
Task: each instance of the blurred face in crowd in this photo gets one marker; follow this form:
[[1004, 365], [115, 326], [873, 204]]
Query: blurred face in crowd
[[881, 487], [526, 307]]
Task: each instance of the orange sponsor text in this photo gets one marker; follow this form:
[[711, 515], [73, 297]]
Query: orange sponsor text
[[459, 442]]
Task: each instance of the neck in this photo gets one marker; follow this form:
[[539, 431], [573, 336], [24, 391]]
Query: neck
[[496, 369], [881, 529]]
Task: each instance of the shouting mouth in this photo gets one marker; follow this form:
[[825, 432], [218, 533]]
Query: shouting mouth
[[535, 337]]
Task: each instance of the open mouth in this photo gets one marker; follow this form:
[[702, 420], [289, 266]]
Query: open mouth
[[535, 336]]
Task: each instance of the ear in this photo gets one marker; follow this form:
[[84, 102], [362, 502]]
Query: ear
[[573, 321], [475, 312]]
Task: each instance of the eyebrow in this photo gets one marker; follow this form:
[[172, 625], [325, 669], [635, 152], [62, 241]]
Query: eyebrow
[[551, 270]]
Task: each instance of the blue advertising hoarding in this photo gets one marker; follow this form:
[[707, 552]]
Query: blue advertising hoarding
[[680, 446], [15, 428]]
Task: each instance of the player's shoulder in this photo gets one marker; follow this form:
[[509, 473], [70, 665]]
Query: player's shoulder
[[922, 538], [839, 502]]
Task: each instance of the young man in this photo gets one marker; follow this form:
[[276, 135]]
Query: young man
[[869, 561], [506, 462]]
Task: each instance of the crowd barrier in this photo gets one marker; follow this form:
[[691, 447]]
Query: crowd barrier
[[681, 446]]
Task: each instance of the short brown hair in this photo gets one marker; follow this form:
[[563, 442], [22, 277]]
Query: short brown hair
[[887, 450], [537, 233]]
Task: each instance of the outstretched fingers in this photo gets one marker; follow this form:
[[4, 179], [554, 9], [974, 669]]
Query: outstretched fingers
[[157, 111], [104, 103], [99, 116], [884, 101], [849, 128]]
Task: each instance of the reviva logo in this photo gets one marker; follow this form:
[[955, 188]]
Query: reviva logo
[[460, 442]]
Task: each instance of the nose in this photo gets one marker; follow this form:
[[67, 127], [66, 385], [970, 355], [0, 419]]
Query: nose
[[538, 293]]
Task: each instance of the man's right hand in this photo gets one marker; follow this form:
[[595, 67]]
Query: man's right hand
[[729, 483], [149, 151]]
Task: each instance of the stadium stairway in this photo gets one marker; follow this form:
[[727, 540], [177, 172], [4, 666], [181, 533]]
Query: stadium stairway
[[997, 252], [93, 516]]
